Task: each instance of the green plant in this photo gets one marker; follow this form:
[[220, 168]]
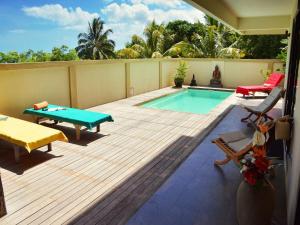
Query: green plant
[[283, 53], [265, 74], [181, 71]]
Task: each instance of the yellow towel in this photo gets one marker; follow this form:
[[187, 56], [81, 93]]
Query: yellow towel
[[28, 135]]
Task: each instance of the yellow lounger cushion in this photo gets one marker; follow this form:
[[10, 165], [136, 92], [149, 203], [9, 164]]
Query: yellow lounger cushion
[[28, 135]]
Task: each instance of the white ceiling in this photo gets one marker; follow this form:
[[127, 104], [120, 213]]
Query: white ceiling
[[256, 8]]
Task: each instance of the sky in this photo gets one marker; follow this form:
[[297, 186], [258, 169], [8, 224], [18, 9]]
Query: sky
[[44, 24]]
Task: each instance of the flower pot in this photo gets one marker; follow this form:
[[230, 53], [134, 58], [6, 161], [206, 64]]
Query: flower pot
[[255, 204], [178, 83]]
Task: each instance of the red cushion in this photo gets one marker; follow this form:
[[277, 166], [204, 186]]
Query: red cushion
[[246, 89], [274, 79]]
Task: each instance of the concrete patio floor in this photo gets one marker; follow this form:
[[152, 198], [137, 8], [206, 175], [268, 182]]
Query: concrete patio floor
[[106, 177], [200, 193]]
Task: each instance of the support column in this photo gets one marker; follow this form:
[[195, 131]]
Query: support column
[[160, 75], [73, 87], [127, 80], [271, 66]]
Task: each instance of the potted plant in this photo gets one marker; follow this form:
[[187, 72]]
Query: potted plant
[[256, 195], [180, 74]]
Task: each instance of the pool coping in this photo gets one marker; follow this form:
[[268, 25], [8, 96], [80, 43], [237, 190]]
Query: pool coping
[[185, 88], [164, 95], [212, 88]]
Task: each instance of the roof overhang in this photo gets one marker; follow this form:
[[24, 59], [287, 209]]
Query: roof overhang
[[249, 17]]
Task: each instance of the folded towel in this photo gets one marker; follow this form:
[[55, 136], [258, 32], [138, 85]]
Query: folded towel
[[40, 105], [55, 109]]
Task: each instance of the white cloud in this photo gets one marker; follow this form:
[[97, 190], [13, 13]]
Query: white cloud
[[142, 13], [127, 19], [76, 19], [167, 3], [118, 12]]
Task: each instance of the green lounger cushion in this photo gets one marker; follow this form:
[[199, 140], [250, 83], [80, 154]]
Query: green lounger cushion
[[85, 118]]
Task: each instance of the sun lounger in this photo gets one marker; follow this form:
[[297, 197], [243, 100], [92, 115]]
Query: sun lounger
[[23, 134], [235, 144], [265, 106], [272, 82], [77, 117]]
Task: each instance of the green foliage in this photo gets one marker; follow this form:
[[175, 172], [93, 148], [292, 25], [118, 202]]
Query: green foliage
[[176, 39], [62, 53], [282, 55], [233, 53], [210, 40], [183, 39], [183, 30], [127, 53], [261, 46], [183, 49], [181, 71], [95, 44], [154, 44], [11, 57], [265, 74]]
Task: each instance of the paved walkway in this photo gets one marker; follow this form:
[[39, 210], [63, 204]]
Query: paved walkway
[[199, 193]]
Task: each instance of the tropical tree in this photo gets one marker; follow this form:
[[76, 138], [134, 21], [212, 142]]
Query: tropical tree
[[11, 57], [41, 56], [183, 49], [261, 46], [26, 56], [153, 45], [183, 30], [63, 54], [209, 45], [154, 37], [183, 39], [95, 44], [127, 53], [2, 57], [283, 53], [139, 45]]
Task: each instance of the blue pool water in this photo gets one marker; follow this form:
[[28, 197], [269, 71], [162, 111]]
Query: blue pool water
[[190, 100]]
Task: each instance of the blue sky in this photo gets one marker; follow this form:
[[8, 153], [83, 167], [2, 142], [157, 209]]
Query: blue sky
[[43, 24]]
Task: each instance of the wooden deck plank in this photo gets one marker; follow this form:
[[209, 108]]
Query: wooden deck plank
[[141, 148]]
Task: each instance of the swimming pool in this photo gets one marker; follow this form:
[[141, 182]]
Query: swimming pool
[[190, 100]]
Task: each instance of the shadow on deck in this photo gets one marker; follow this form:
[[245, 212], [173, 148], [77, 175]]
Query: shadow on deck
[[196, 193]]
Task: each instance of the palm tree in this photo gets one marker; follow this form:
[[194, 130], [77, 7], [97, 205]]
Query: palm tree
[[154, 44], [155, 36], [183, 49], [139, 45], [95, 44], [209, 45]]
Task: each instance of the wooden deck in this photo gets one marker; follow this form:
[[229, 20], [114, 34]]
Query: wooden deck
[[103, 178]]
